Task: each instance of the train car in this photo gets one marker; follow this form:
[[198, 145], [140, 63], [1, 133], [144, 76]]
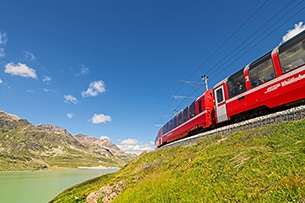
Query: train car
[[195, 117], [275, 80]]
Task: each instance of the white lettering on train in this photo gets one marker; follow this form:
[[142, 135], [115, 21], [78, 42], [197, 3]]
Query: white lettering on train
[[285, 83], [292, 80], [272, 88]]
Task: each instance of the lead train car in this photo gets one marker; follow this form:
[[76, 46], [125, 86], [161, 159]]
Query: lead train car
[[275, 80]]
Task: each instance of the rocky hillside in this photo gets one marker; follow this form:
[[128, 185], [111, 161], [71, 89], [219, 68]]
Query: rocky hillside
[[54, 129], [95, 143], [24, 146]]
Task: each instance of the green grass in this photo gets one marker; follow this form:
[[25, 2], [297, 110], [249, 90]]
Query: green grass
[[264, 165], [78, 193]]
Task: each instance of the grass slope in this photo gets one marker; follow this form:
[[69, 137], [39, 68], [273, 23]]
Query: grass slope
[[263, 165]]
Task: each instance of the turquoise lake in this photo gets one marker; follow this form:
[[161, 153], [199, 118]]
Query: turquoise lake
[[41, 186]]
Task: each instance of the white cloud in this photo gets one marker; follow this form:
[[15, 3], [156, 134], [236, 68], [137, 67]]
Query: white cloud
[[95, 88], [104, 137], [71, 99], [20, 70], [70, 115], [133, 146], [29, 56], [46, 90], [46, 79], [100, 118], [2, 54], [84, 70], [129, 141], [3, 84], [3, 38], [291, 33]]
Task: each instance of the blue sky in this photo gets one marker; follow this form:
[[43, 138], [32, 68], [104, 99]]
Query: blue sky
[[111, 68]]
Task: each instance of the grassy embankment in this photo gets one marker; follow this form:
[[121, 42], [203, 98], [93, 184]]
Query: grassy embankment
[[263, 165]]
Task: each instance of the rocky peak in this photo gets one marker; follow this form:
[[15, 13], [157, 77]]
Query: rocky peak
[[8, 116], [11, 121], [103, 143], [52, 128]]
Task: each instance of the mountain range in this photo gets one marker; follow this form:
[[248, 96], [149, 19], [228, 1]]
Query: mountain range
[[24, 146]]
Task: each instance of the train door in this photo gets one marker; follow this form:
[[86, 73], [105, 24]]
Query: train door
[[220, 104]]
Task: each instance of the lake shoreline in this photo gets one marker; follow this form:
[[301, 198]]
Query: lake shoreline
[[96, 167], [61, 168]]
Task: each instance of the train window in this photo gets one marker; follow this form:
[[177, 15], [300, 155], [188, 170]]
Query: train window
[[180, 118], [168, 129], [236, 84], [185, 114], [165, 128], [170, 125], [261, 71], [219, 95], [292, 54], [192, 110], [200, 106], [174, 122]]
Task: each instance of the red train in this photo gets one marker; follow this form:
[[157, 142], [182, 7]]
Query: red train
[[273, 81]]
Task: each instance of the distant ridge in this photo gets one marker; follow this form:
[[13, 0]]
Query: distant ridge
[[96, 142], [53, 128], [24, 146]]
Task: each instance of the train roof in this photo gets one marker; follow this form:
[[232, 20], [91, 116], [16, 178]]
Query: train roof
[[202, 94], [293, 38], [221, 82], [187, 106], [253, 62]]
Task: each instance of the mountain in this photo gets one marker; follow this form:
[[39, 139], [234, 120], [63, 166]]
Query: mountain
[[96, 143], [53, 128], [24, 146]]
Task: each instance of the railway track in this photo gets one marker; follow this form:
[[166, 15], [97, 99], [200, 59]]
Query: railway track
[[292, 114]]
